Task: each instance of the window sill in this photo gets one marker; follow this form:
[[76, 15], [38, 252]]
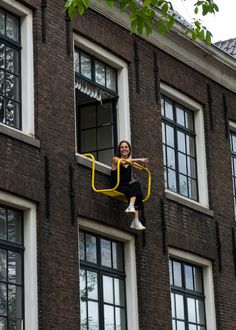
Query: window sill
[[18, 135], [189, 203], [102, 168]]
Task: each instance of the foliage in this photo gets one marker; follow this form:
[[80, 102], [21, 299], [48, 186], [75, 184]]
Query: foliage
[[144, 15]]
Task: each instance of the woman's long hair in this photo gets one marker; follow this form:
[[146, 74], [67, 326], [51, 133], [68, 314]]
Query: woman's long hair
[[118, 149]]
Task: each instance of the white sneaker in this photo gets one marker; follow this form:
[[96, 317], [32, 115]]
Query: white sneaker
[[136, 224], [130, 209]]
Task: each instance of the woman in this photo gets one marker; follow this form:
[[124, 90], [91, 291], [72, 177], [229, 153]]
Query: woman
[[129, 187]]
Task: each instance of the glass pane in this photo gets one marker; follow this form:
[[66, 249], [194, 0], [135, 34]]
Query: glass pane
[[81, 246], [14, 301], [171, 158], [93, 322], [173, 305], [191, 167], [3, 228], [164, 155], [87, 117], [117, 254], [88, 140], [109, 318], [191, 310], [171, 180], [190, 145], [180, 325], [198, 279], [100, 73], [189, 119], [14, 267], [169, 136], [192, 189], [165, 177], [2, 56], [168, 109], [92, 285], [105, 137], [12, 115], [162, 106], [120, 319], [108, 289], [173, 325], [201, 328], [200, 312], [170, 272], [179, 304], [86, 66], [12, 60], [12, 86], [182, 163], [3, 265], [180, 116], [14, 226], [15, 325], [181, 142], [91, 248], [119, 292], [183, 185], [177, 274], [12, 27], [3, 299], [163, 133], [2, 22], [2, 82], [105, 156], [83, 316], [192, 327], [111, 78], [233, 142], [76, 62], [106, 253], [105, 114], [188, 277], [82, 283]]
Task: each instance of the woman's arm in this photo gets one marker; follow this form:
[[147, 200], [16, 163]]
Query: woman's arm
[[115, 160]]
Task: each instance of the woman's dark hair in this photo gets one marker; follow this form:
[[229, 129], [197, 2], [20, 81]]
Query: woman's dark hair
[[118, 149]]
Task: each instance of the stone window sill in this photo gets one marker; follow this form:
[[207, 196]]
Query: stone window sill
[[102, 168], [20, 136]]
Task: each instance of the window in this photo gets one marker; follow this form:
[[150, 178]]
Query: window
[[179, 151], [102, 283], [10, 78], [187, 296], [11, 269], [16, 68], [233, 156], [102, 106], [192, 291], [184, 153]]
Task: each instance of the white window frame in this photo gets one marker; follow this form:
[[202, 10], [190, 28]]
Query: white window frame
[[130, 264], [27, 68], [123, 113], [197, 108], [232, 127], [207, 271], [30, 256]]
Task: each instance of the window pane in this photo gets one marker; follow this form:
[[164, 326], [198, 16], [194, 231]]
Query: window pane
[[170, 272], [82, 281], [117, 253], [91, 248], [12, 60], [179, 304], [119, 292], [183, 185], [12, 114], [181, 142], [198, 279], [86, 66], [192, 327], [173, 305], [105, 156], [200, 312], [180, 116], [2, 22], [163, 133], [233, 142], [14, 226], [81, 246], [188, 277], [93, 323], [12, 27], [92, 285], [189, 119], [190, 145], [2, 82], [14, 267], [105, 137], [169, 136], [3, 228], [76, 62], [191, 167], [108, 289], [3, 299], [180, 325], [14, 301], [83, 316], [109, 317], [173, 325], [191, 310], [2, 55], [168, 109], [170, 158], [182, 163], [105, 114], [120, 319], [15, 325], [177, 274], [88, 117], [192, 189], [88, 140], [171, 180], [111, 78], [3, 265], [106, 253], [100, 73], [162, 106]]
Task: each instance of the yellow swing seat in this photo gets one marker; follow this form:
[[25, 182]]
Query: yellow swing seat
[[112, 192]]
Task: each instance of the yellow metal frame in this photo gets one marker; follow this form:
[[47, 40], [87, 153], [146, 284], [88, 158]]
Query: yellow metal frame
[[112, 192]]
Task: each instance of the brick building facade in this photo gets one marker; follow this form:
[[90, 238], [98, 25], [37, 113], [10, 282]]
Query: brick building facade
[[68, 258]]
